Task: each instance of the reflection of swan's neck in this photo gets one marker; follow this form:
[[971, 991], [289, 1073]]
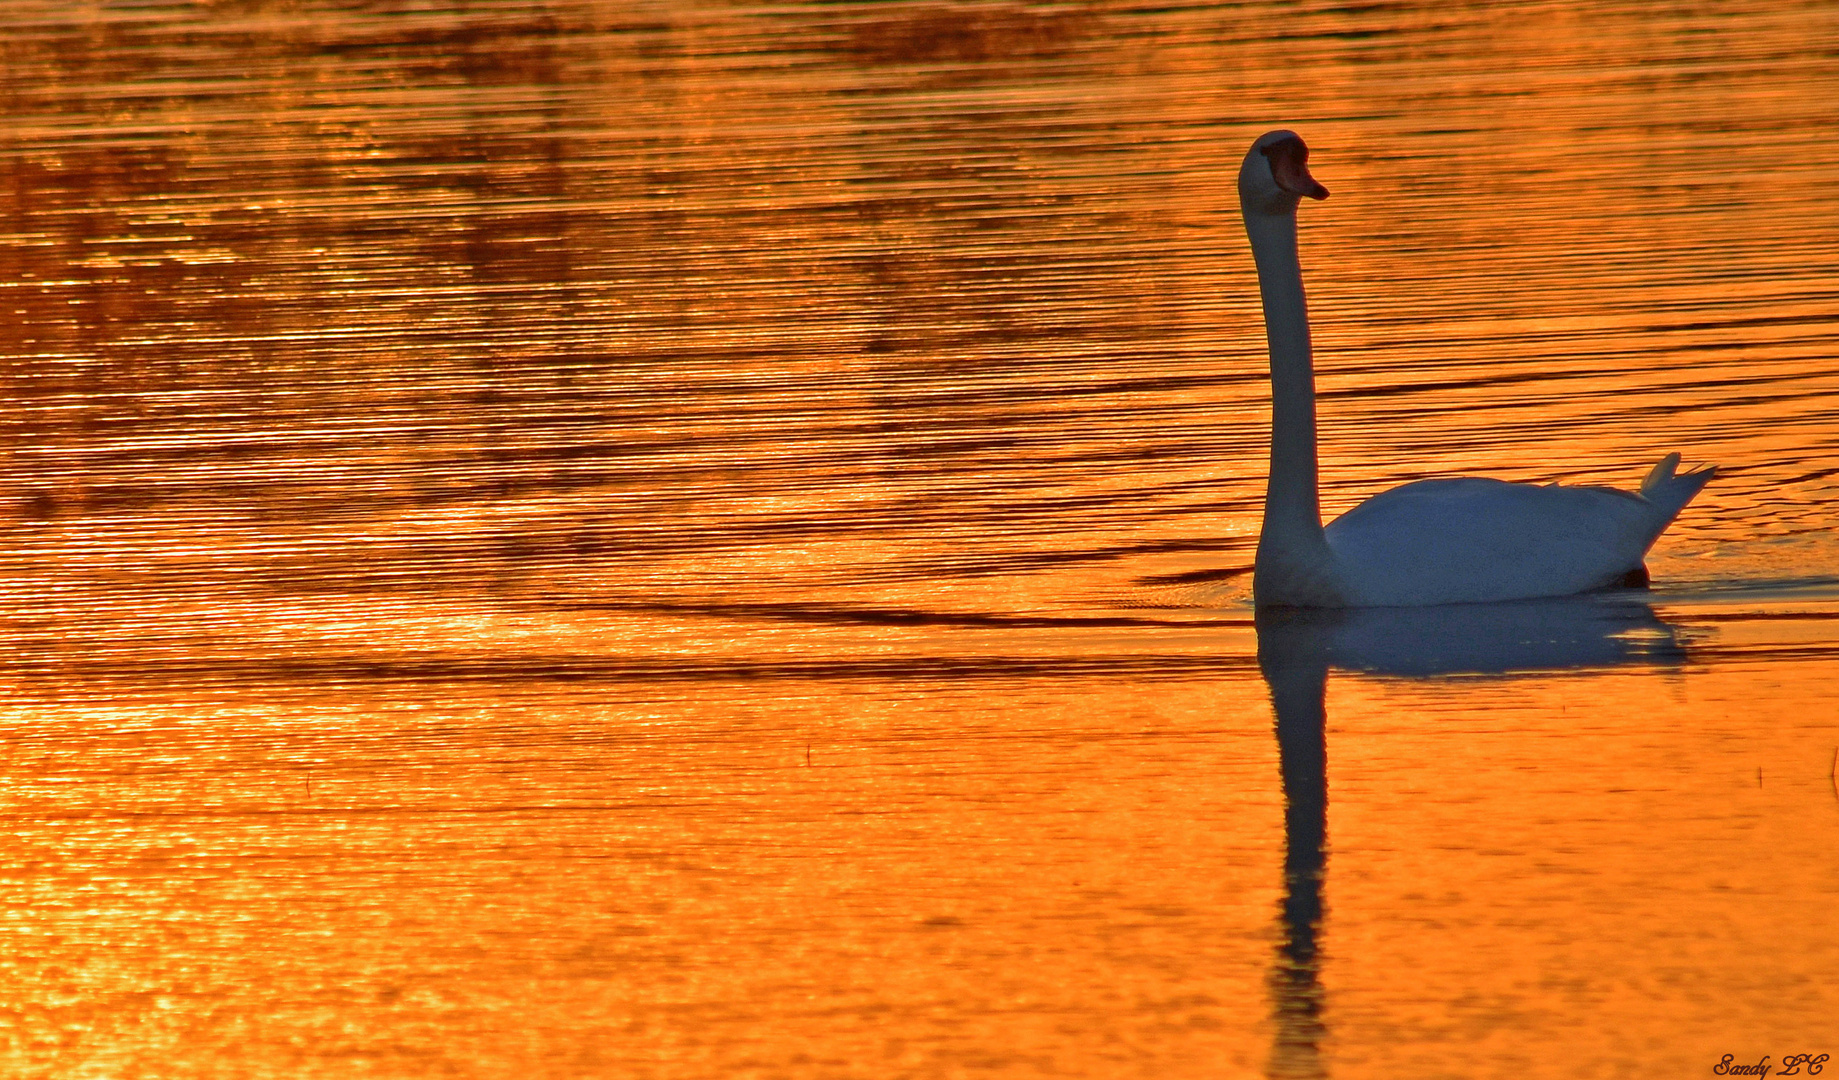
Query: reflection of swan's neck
[[1293, 558], [1293, 653]]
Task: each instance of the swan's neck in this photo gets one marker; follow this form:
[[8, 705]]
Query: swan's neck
[[1294, 563]]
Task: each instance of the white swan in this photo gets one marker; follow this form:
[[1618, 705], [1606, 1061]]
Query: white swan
[[1457, 541]]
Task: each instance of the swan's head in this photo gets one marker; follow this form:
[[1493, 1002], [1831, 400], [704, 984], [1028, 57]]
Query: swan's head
[[1275, 176]]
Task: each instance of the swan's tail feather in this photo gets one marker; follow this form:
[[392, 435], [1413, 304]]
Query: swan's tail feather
[[1659, 474], [1670, 491]]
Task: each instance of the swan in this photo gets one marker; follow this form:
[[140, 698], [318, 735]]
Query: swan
[[1446, 541]]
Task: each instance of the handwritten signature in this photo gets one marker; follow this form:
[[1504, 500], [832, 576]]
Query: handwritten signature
[[1791, 1066]]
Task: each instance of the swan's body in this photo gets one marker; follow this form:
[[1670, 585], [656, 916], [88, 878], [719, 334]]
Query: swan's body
[[1457, 541]]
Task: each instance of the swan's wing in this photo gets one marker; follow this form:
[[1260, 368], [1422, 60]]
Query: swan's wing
[[1474, 539]]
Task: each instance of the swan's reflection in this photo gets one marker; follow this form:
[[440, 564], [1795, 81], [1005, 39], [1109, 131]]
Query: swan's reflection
[[1296, 647]]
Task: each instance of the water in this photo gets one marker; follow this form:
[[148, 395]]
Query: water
[[686, 540]]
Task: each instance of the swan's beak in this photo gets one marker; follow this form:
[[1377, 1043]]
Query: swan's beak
[[1290, 168]]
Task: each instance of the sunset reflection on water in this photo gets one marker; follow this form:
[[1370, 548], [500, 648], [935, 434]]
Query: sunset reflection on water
[[580, 539]]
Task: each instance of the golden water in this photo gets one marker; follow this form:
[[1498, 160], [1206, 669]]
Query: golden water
[[708, 539]]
